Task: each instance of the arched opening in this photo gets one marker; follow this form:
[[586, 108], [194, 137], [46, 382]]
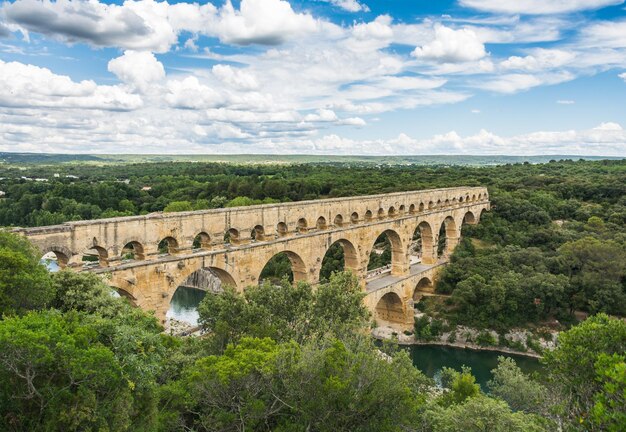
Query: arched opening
[[446, 203], [301, 226], [438, 205], [467, 198], [321, 223], [473, 198], [338, 221], [354, 218], [182, 314], [368, 216], [283, 264], [133, 250], [386, 255], [231, 236], [421, 207], [412, 208], [54, 260], [454, 201], [340, 256], [469, 218], [119, 292], [480, 196], [390, 309], [95, 256], [168, 245], [281, 229], [257, 233], [431, 204], [424, 285], [460, 199], [448, 237], [381, 213], [421, 248], [401, 209], [392, 211], [201, 241]]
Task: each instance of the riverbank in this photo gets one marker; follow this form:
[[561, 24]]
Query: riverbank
[[465, 337]]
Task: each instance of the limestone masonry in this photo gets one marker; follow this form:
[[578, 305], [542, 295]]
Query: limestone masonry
[[236, 243]]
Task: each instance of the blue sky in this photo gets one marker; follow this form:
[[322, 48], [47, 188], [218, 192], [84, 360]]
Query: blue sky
[[401, 77]]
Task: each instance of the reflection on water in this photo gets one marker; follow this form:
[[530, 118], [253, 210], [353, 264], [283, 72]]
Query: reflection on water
[[184, 305], [430, 359]]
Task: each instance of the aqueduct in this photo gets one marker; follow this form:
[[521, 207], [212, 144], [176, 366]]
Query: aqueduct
[[147, 257]]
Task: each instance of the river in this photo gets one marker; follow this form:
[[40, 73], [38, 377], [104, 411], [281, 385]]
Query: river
[[430, 359]]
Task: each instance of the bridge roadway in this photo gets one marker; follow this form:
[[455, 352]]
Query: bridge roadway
[[236, 243]]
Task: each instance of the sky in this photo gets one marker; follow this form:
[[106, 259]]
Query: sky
[[362, 77]]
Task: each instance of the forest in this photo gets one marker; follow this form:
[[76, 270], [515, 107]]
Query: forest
[[284, 357]]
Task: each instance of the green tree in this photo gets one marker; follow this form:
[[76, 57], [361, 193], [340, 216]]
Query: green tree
[[517, 389], [178, 206], [24, 282]]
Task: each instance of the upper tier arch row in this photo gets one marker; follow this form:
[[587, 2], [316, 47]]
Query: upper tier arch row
[[240, 225]]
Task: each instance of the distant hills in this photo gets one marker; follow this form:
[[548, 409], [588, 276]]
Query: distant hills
[[51, 159]]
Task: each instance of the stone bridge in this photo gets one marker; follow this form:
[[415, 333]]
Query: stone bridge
[[147, 257]]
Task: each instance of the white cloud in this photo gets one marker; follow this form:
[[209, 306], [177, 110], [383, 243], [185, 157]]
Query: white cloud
[[513, 83], [138, 69], [475, 111], [566, 102], [24, 86], [189, 93], [605, 34], [537, 7], [539, 59], [450, 46], [622, 76], [350, 5], [235, 77], [268, 22]]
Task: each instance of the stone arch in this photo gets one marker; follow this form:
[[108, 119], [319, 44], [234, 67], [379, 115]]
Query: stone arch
[[401, 209], [231, 236], [281, 229], [225, 277], [350, 257], [321, 223], [398, 254], [438, 205], [473, 197], [460, 199], [421, 207], [424, 285], [412, 208], [338, 221], [258, 233], [368, 216], [381, 213], [127, 295], [98, 253], [454, 201], [168, 245], [133, 250], [202, 240], [446, 245], [390, 308], [423, 243], [298, 268], [446, 203], [467, 198], [469, 218], [354, 218], [431, 204], [392, 211], [301, 226], [61, 254]]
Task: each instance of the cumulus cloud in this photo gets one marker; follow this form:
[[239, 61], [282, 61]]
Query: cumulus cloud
[[350, 5], [27, 86], [566, 102], [537, 7], [539, 59], [450, 46], [605, 34], [137, 69], [234, 77], [268, 22], [622, 76], [189, 93]]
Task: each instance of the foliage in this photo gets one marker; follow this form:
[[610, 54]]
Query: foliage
[[585, 371], [518, 390], [284, 312], [24, 283]]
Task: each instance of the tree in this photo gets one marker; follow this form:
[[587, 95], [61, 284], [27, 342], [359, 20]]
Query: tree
[[55, 375], [24, 282], [521, 392], [178, 206], [579, 369], [460, 385], [609, 409]]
